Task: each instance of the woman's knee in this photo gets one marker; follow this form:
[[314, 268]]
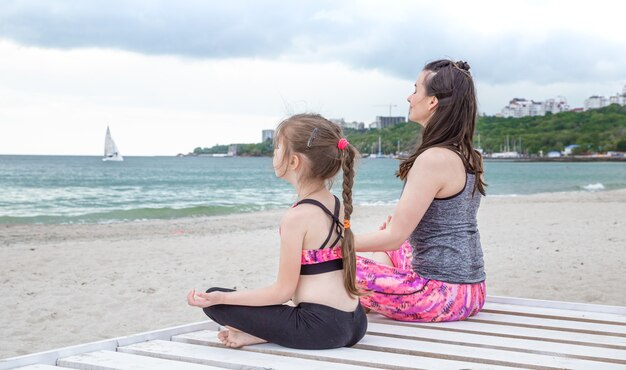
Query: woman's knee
[[382, 258]]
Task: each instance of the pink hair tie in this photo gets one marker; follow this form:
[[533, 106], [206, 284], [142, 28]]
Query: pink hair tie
[[343, 143]]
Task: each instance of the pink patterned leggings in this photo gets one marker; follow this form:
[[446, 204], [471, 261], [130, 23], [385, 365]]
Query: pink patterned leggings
[[401, 294]]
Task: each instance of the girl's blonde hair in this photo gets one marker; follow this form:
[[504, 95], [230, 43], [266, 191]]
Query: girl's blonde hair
[[316, 138]]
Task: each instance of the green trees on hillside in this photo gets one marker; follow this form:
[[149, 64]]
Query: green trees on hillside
[[403, 135], [250, 150], [597, 130]]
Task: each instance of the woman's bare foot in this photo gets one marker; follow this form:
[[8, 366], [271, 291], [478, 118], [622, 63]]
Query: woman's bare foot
[[234, 338]]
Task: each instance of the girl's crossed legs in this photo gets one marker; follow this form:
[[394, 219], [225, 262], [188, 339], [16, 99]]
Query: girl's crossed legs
[[305, 326]]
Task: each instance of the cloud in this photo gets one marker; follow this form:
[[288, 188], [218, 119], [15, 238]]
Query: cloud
[[543, 42], [187, 28]]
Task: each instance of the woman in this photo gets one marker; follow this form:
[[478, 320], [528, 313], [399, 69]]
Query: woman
[[431, 268]]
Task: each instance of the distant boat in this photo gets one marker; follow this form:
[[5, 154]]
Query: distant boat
[[111, 153], [505, 155], [380, 153]]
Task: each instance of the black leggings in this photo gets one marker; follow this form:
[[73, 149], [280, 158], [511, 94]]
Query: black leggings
[[306, 326]]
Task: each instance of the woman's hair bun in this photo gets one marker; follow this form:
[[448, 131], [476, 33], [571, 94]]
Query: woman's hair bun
[[462, 65]]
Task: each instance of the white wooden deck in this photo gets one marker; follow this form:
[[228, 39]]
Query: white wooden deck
[[509, 333]]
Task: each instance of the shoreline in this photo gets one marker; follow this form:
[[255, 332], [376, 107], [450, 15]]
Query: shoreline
[[558, 159], [85, 282], [187, 219], [521, 159]]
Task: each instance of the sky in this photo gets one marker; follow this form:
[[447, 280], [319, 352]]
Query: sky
[[169, 76]]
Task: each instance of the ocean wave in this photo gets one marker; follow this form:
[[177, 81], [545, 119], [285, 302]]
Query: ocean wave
[[137, 214], [378, 203], [594, 187]]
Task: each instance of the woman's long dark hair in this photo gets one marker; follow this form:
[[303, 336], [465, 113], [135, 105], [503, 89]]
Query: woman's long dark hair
[[453, 122]]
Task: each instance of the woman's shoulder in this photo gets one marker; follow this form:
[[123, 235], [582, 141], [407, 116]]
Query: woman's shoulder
[[437, 156], [441, 167]]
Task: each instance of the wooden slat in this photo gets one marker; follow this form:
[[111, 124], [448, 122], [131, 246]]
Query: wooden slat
[[109, 360], [510, 344], [561, 305], [51, 357], [355, 355], [477, 354], [227, 357], [553, 313], [550, 324], [500, 330]]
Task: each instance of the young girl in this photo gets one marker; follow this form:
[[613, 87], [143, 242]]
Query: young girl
[[431, 268], [317, 257]]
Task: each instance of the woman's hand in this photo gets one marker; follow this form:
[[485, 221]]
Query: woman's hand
[[385, 224], [201, 299]]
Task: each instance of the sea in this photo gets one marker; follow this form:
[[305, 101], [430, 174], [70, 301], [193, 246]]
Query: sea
[[77, 189]]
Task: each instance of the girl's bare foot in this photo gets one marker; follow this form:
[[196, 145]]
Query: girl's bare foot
[[234, 338], [223, 336]]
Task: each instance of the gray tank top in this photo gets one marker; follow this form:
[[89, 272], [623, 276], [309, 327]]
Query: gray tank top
[[446, 242]]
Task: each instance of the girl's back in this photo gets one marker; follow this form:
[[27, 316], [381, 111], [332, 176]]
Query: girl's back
[[324, 288]]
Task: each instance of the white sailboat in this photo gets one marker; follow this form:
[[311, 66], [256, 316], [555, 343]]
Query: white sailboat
[[111, 153], [380, 153]]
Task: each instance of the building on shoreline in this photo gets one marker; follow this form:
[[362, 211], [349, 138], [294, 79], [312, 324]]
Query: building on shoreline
[[354, 125], [380, 123], [520, 107], [597, 101], [388, 121], [267, 135]]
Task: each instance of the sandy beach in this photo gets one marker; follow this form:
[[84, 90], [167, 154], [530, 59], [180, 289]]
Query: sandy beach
[[68, 284]]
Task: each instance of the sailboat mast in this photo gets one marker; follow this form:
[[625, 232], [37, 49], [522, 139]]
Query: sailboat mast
[[107, 142]]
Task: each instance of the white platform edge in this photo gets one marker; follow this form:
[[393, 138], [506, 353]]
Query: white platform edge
[[51, 357]]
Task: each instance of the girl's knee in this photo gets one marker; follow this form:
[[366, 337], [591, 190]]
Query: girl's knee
[[208, 311], [218, 289], [213, 311]]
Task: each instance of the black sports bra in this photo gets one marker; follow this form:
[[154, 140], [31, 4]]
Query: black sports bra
[[318, 261]]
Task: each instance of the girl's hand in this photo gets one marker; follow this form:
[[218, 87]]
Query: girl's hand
[[385, 224], [201, 299]]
